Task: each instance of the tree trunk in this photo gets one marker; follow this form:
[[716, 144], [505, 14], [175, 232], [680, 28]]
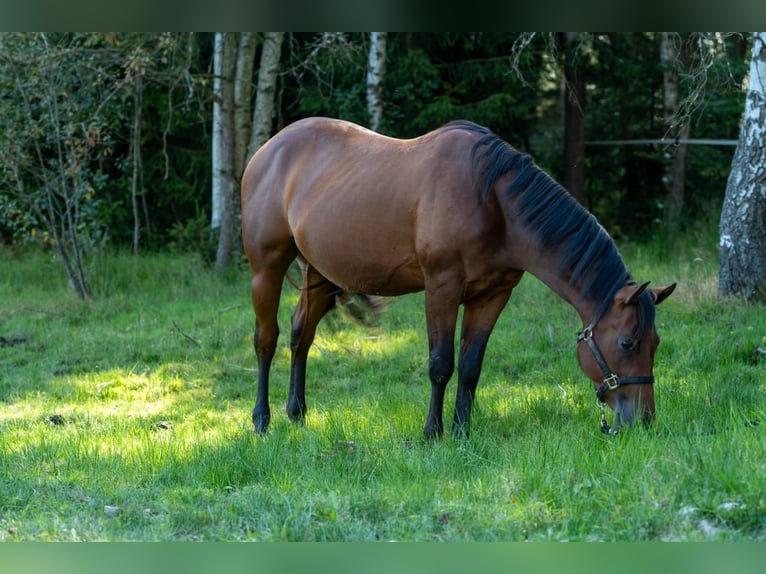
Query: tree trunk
[[223, 146], [743, 217], [674, 175], [217, 148], [376, 69], [135, 154], [242, 106], [243, 90], [574, 125], [263, 113]]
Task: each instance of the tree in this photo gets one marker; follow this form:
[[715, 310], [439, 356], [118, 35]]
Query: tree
[[574, 124], [151, 173], [224, 63], [671, 57], [375, 71], [55, 127], [235, 136], [243, 88], [743, 217], [140, 55], [263, 111]]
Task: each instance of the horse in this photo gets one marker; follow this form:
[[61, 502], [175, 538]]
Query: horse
[[458, 213]]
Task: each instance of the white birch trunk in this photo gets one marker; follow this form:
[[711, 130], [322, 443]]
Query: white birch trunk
[[743, 217], [217, 151], [263, 112], [376, 70], [223, 173]]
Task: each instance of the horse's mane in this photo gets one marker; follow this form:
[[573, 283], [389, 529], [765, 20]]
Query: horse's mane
[[587, 256]]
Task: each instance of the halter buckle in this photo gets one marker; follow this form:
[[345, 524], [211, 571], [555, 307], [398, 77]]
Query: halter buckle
[[612, 382]]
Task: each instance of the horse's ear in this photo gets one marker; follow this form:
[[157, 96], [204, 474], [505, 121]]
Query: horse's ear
[[659, 294], [631, 293]]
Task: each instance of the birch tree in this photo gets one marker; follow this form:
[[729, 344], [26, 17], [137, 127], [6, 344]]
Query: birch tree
[[235, 135], [263, 111], [376, 70], [223, 59], [222, 219], [743, 217]]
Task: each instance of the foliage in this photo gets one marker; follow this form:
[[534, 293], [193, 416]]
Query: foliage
[[511, 82], [174, 156], [67, 97], [432, 78], [55, 133], [127, 417], [195, 236]]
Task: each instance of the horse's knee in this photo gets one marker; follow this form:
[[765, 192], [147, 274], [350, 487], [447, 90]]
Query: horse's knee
[[440, 369], [297, 340]]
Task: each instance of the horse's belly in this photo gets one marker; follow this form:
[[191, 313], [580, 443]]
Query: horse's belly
[[376, 268]]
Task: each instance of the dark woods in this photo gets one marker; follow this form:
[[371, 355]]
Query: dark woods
[[148, 103]]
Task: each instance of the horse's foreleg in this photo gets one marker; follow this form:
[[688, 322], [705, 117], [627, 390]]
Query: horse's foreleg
[[479, 318], [317, 298], [469, 368], [441, 318]]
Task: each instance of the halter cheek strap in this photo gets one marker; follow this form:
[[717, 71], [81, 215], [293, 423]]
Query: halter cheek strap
[[611, 381]]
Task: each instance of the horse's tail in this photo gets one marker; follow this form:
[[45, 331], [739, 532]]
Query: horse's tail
[[364, 309], [360, 308]]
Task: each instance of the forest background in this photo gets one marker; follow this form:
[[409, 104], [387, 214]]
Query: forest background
[[108, 136]]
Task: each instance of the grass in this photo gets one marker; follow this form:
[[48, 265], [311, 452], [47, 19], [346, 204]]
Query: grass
[[128, 418]]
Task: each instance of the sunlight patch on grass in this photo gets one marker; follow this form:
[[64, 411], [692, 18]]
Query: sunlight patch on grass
[[361, 343]]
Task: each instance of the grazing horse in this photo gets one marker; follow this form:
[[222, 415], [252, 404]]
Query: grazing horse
[[457, 212]]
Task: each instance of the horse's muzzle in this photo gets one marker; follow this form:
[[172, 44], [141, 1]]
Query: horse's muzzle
[[627, 411]]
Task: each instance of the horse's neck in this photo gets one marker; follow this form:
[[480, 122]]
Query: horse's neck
[[544, 266]]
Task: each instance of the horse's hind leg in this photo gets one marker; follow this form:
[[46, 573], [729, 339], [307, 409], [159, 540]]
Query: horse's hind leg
[[317, 298], [266, 288]]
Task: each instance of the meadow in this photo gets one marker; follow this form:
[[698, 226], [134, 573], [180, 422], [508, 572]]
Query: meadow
[[127, 417]]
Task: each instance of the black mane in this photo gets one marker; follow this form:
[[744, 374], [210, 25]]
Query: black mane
[[587, 255]]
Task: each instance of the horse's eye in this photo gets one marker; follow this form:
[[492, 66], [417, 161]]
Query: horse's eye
[[627, 344]]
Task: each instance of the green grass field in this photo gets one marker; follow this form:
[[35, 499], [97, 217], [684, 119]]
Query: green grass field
[[128, 418]]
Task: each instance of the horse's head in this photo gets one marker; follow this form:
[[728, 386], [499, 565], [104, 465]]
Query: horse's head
[[617, 352]]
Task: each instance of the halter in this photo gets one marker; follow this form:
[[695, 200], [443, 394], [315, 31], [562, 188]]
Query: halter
[[611, 381]]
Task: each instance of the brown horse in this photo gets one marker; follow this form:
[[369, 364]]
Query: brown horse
[[458, 213]]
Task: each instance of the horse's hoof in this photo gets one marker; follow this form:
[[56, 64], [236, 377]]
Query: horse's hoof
[[261, 423], [433, 433], [296, 413], [298, 420]]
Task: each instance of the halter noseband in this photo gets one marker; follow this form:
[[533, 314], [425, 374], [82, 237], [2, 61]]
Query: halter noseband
[[611, 381]]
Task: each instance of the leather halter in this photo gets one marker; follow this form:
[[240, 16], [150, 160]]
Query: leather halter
[[611, 381]]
